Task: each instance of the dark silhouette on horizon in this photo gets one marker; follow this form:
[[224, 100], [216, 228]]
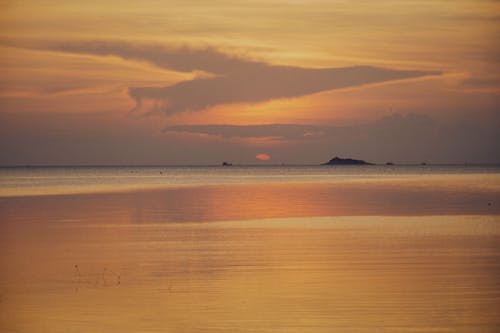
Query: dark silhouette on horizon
[[346, 161]]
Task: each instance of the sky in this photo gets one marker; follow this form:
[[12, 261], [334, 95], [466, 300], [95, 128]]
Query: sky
[[251, 82]]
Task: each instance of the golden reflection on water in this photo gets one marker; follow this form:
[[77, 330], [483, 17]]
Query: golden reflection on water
[[147, 264], [254, 201]]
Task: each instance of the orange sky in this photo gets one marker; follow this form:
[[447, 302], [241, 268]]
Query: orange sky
[[51, 67]]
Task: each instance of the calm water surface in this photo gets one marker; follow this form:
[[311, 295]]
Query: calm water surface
[[295, 249], [66, 180]]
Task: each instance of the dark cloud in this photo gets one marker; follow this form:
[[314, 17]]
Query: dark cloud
[[81, 138], [181, 59], [398, 138], [483, 82], [264, 83], [236, 80], [278, 131], [390, 127]]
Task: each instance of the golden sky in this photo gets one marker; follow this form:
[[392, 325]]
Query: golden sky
[[76, 69]]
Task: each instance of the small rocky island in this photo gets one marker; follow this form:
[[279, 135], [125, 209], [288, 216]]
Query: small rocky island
[[345, 161]]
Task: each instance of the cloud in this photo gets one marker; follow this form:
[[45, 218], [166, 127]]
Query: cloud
[[236, 80], [394, 127], [278, 131], [262, 84], [181, 59], [398, 138], [483, 82], [263, 157], [103, 138]]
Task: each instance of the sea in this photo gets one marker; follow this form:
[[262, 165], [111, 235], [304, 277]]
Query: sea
[[388, 248]]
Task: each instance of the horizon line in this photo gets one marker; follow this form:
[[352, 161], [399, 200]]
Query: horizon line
[[236, 165]]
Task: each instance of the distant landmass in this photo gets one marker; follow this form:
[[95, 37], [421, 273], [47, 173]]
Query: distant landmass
[[345, 161]]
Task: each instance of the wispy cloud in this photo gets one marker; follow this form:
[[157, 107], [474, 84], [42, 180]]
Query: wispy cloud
[[277, 131], [390, 127], [235, 80]]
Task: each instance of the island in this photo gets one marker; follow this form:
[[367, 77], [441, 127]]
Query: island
[[345, 161]]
